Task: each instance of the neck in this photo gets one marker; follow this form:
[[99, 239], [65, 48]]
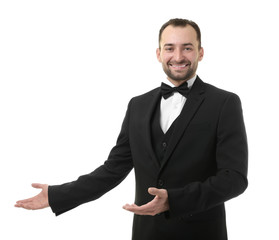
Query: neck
[[177, 83]]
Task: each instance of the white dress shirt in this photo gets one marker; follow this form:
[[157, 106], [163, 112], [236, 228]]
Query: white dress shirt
[[171, 107]]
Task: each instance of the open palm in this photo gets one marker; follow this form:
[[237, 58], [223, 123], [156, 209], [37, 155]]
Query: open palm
[[37, 202]]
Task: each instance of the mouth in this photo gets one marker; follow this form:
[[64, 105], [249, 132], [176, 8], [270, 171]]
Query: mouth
[[179, 66]]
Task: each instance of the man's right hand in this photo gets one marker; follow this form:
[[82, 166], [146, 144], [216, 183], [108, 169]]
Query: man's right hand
[[38, 202]]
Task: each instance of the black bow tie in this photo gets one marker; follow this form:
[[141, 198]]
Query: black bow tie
[[167, 91]]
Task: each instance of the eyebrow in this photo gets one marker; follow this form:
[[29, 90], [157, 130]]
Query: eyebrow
[[185, 44]]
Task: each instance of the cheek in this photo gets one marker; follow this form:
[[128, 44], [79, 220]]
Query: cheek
[[167, 58], [194, 58], [164, 59]]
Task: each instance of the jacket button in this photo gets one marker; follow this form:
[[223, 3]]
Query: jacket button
[[164, 144], [160, 183]]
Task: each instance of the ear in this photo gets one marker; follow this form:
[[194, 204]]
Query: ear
[[201, 53], [158, 54]]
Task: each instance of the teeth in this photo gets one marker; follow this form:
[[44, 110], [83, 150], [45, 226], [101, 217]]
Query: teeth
[[179, 65]]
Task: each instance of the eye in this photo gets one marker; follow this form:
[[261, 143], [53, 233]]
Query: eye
[[168, 49], [188, 49]]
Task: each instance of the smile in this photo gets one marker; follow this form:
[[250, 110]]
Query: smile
[[179, 66]]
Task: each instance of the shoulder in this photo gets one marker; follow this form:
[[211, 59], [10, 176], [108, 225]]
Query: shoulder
[[217, 96], [144, 100], [151, 93], [147, 95], [212, 91]]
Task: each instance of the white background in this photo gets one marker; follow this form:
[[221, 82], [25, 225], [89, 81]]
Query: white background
[[67, 72]]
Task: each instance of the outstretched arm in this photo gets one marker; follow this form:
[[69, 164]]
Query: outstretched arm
[[89, 187], [40, 201]]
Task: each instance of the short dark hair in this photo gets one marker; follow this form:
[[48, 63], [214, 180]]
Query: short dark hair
[[179, 22]]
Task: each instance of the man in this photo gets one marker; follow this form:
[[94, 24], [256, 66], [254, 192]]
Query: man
[[187, 145]]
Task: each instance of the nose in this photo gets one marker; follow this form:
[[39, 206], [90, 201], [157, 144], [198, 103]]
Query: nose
[[178, 55]]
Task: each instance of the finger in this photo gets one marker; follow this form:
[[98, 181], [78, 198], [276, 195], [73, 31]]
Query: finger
[[129, 206], [153, 191], [159, 193], [18, 204], [125, 206], [25, 200], [37, 185], [23, 205], [28, 206], [146, 209], [28, 200], [135, 210]]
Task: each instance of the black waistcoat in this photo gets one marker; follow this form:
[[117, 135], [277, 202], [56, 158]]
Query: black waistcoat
[[160, 140]]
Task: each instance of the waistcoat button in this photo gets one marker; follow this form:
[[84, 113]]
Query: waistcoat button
[[160, 183]]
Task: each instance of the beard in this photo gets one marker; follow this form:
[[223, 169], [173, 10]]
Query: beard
[[181, 75]]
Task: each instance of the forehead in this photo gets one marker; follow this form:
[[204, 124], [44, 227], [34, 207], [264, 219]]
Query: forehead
[[179, 35]]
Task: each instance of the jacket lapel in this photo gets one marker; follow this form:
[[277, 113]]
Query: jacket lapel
[[150, 106], [191, 106]]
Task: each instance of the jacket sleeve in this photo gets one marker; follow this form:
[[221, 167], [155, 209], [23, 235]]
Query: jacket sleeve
[[89, 187], [232, 163]]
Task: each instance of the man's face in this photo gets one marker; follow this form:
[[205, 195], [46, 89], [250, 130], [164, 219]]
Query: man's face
[[179, 53]]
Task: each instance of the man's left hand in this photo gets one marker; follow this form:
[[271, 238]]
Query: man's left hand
[[158, 205]]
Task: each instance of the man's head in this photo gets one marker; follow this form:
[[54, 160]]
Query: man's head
[[179, 49], [179, 22]]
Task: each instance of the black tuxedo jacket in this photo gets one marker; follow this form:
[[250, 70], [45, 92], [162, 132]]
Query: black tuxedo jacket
[[204, 165]]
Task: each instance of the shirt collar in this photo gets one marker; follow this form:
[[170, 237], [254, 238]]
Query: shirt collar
[[190, 82]]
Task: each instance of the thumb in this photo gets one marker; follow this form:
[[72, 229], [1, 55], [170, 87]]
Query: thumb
[[154, 191], [37, 185]]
